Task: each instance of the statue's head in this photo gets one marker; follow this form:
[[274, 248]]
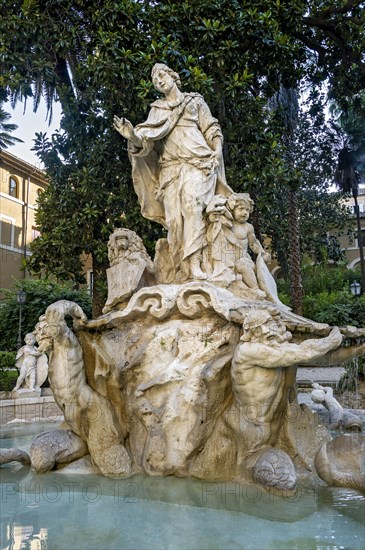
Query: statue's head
[[264, 326], [29, 339], [161, 67], [43, 335], [122, 239], [218, 202], [255, 318], [318, 396], [123, 242], [240, 199]]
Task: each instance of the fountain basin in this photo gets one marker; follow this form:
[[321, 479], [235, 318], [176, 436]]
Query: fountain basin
[[89, 511]]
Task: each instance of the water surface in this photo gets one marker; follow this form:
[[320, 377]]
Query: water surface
[[76, 512]]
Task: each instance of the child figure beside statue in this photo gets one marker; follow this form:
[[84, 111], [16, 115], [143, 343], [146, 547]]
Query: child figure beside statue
[[32, 365], [229, 239]]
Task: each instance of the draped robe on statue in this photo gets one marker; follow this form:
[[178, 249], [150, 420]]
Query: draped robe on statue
[[173, 173]]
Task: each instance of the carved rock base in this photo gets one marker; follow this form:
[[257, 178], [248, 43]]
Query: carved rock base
[[175, 383], [341, 462], [55, 447]]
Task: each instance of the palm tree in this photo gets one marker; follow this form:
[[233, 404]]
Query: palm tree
[[350, 169], [286, 108], [6, 139]]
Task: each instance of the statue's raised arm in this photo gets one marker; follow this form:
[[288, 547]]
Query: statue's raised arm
[[125, 128], [177, 168]]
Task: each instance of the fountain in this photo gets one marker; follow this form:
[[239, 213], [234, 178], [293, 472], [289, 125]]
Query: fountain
[[190, 371]]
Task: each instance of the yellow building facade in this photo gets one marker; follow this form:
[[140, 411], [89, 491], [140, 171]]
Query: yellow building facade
[[351, 247], [20, 184]]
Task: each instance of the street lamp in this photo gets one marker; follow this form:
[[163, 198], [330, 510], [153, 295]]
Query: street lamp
[[355, 288], [20, 298]]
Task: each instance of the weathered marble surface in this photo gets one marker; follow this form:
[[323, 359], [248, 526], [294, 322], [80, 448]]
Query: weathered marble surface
[[131, 268], [88, 413], [177, 168], [341, 462], [55, 447], [81, 466], [13, 454], [226, 257]]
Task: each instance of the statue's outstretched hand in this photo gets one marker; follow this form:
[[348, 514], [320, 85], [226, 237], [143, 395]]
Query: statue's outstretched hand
[[124, 127], [80, 322]]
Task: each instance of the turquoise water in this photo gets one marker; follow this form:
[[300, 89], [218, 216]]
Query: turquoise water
[[64, 511]]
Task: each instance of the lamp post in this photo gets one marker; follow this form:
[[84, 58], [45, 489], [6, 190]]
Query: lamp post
[[355, 288], [20, 298]]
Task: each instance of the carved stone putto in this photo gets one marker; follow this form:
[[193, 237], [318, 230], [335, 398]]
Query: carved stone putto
[[32, 366]]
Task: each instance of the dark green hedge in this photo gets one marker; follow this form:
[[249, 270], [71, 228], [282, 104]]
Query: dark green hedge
[[8, 379]]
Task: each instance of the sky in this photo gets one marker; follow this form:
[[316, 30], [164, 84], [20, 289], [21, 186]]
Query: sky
[[28, 124]]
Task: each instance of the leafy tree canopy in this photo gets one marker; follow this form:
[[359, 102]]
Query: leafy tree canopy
[[95, 58]]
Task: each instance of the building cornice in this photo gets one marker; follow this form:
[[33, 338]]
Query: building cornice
[[25, 168]]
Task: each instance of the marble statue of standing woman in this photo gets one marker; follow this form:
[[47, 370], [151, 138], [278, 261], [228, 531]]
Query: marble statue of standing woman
[[177, 167]]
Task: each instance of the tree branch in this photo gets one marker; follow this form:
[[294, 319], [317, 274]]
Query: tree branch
[[346, 8]]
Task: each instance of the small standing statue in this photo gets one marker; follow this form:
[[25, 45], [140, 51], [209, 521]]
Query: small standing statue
[[32, 364]]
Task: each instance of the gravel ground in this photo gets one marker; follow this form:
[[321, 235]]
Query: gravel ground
[[328, 375]]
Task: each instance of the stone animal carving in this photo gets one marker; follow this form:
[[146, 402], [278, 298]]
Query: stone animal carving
[[126, 245], [130, 267], [56, 447], [13, 454], [341, 462]]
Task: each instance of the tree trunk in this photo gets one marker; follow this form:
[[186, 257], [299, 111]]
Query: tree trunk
[[283, 263], [296, 287], [99, 289], [360, 242]]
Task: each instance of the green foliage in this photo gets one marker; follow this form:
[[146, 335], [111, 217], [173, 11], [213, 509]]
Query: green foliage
[[237, 54], [322, 278], [350, 170], [327, 297], [40, 294], [337, 308], [8, 379], [7, 359], [6, 138]]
